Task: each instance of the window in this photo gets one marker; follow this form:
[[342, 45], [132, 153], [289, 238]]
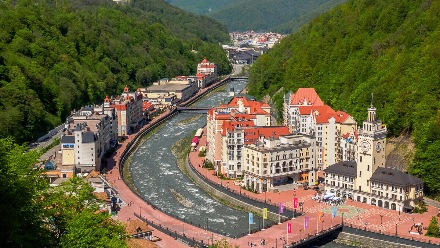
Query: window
[[64, 175], [360, 159], [360, 173]]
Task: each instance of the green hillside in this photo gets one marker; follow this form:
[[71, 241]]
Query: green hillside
[[284, 16], [56, 56], [389, 48], [201, 7]]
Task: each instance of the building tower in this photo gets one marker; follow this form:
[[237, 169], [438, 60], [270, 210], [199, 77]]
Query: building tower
[[370, 149]]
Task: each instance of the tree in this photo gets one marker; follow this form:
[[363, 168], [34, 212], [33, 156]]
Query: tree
[[93, 229], [433, 228], [222, 243], [21, 205], [75, 218]]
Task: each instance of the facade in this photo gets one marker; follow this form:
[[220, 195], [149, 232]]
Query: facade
[[366, 179], [128, 108], [80, 146], [207, 68], [272, 162], [90, 133], [226, 126], [167, 92], [335, 131], [236, 135], [57, 173]]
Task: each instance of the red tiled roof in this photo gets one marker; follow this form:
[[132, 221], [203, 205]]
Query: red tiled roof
[[230, 125], [306, 96], [273, 131], [323, 113]]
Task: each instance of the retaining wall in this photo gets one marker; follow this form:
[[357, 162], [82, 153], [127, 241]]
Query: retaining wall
[[364, 238], [218, 194]]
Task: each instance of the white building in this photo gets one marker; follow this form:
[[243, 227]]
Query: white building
[[366, 179], [274, 162]]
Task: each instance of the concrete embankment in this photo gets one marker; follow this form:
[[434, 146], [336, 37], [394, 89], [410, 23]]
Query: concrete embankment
[[200, 181], [363, 238]]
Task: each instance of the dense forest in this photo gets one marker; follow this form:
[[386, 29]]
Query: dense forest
[[201, 7], [56, 56], [386, 47], [283, 16]]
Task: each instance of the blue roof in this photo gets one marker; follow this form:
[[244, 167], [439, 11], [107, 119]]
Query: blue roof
[[49, 165]]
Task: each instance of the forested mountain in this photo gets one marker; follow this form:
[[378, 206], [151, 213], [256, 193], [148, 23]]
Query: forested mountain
[[201, 7], [56, 56], [284, 16], [389, 48]]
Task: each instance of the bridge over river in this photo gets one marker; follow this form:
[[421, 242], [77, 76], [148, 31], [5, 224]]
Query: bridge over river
[[202, 110]]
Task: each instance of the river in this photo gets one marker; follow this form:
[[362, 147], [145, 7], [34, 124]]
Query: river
[[158, 179]]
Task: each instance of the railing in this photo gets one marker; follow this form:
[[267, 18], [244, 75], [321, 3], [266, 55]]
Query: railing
[[419, 241], [192, 242]]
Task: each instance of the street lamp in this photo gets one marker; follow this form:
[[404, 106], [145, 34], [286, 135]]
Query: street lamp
[[381, 216], [342, 219], [396, 229], [206, 223], [294, 209], [140, 212], [265, 190]]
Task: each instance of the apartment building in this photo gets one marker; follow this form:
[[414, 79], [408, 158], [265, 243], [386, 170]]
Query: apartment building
[[90, 133], [226, 121], [305, 113], [207, 68], [128, 108]]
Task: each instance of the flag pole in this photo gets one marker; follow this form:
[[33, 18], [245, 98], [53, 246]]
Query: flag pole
[[317, 221], [263, 220], [279, 215], [287, 233]]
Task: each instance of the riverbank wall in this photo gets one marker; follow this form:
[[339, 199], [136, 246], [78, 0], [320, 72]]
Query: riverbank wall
[[363, 238], [219, 194], [356, 237]]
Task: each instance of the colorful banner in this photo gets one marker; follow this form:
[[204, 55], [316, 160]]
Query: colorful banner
[[289, 228], [251, 218], [306, 222], [265, 213], [281, 207], [295, 203], [334, 211]]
